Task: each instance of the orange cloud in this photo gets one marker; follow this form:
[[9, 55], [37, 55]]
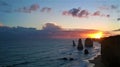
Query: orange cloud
[[54, 31]]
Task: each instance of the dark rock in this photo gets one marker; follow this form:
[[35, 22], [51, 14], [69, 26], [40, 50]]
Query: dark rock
[[86, 51], [88, 42], [110, 51], [74, 43], [80, 45], [97, 61], [71, 59], [64, 58]]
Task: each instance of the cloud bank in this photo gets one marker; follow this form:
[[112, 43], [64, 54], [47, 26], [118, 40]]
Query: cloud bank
[[51, 27], [77, 12], [49, 30]]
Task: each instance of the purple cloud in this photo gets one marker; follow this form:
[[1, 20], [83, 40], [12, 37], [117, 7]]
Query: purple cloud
[[33, 7], [51, 27], [97, 13], [83, 13], [65, 13], [74, 11], [77, 12]]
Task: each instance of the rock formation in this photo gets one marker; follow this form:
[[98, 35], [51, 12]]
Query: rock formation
[[86, 51], [80, 45], [110, 51], [74, 43], [88, 42], [67, 58]]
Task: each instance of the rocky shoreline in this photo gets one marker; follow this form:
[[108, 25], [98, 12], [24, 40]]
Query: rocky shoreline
[[97, 61]]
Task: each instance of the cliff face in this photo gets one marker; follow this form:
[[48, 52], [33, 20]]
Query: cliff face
[[110, 51]]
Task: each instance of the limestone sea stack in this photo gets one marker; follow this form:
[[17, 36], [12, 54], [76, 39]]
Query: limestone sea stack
[[74, 43], [86, 51], [88, 42], [80, 45]]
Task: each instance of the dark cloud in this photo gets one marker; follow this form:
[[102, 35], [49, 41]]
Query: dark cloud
[[98, 13], [77, 12], [46, 9], [33, 7], [83, 13], [51, 27], [107, 15], [7, 8], [74, 11]]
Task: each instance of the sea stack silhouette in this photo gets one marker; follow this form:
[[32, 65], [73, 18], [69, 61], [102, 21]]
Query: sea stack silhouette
[[88, 42], [74, 43], [80, 45], [86, 51]]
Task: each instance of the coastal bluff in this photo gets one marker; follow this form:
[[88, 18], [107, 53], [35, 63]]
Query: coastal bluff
[[110, 51]]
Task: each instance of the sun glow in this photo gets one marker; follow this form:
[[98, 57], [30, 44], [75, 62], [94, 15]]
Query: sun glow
[[97, 35]]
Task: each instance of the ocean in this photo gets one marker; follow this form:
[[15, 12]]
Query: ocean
[[44, 53]]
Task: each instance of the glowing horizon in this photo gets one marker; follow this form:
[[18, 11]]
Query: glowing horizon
[[97, 35]]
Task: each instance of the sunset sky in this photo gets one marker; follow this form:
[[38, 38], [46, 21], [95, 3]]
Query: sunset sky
[[93, 14]]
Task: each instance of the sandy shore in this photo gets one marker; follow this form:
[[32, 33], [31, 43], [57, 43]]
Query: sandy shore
[[97, 61]]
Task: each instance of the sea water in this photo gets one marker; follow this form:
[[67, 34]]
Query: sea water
[[44, 53]]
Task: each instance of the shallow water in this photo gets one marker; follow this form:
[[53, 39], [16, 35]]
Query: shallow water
[[44, 53]]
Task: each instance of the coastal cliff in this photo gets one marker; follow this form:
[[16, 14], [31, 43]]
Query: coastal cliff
[[110, 52]]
